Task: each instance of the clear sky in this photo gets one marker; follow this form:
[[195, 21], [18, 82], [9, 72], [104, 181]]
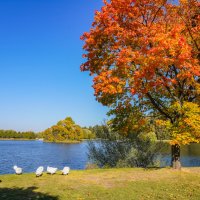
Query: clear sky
[[40, 57]]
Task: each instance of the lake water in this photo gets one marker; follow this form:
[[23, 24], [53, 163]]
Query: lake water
[[31, 154], [190, 156]]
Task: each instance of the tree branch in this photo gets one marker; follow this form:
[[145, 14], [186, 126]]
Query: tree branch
[[156, 105]]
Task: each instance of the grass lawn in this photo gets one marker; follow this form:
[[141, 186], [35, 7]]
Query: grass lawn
[[104, 184]]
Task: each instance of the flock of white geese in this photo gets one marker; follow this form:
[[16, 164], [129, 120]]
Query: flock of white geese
[[40, 170]]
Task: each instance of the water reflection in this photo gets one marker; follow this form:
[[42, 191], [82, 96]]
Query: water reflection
[[190, 155]]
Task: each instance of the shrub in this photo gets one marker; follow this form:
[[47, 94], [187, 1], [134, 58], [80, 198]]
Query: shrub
[[116, 151], [91, 166]]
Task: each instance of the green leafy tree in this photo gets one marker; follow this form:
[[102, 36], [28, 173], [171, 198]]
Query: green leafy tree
[[64, 130]]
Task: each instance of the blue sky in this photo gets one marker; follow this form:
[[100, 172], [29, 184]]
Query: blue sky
[[40, 57]]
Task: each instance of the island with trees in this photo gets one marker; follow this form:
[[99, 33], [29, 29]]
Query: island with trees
[[67, 131]]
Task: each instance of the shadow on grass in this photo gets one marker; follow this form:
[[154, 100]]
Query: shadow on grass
[[153, 168], [24, 194]]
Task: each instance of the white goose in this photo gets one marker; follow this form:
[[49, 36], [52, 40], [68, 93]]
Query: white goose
[[65, 170], [51, 170], [18, 170], [39, 171]]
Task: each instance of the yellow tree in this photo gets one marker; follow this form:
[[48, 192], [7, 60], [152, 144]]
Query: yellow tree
[[64, 130]]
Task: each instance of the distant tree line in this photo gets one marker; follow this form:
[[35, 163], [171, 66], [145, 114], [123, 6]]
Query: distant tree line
[[67, 130], [11, 134]]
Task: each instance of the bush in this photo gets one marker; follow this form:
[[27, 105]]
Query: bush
[[148, 136], [116, 151], [91, 166], [106, 153]]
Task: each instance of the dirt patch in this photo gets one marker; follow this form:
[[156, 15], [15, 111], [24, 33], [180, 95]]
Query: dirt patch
[[191, 170], [115, 178]]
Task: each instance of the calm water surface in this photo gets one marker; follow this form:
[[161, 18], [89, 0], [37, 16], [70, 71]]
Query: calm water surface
[[31, 154], [190, 156]]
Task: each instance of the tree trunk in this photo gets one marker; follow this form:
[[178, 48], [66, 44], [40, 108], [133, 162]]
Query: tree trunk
[[176, 164]]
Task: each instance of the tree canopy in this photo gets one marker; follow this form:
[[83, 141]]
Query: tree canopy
[[146, 53], [11, 134], [66, 130]]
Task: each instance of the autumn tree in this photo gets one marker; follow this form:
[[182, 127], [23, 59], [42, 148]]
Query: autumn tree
[[146, 53], [64, 131]]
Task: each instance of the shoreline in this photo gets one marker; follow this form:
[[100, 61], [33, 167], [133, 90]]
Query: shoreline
[[195, 169], [56, 142], [17, 139], [64, 142]]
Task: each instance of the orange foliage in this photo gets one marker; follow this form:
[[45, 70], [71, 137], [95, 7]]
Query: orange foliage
[[148, 49]]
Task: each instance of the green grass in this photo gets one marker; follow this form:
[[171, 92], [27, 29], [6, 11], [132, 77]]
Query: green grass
[[104, 184]]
